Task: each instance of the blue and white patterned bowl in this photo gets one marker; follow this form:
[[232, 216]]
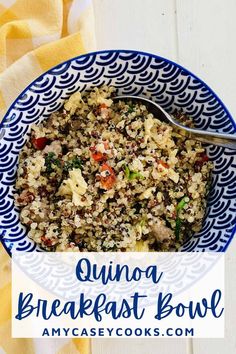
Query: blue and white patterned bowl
[[134, 73]]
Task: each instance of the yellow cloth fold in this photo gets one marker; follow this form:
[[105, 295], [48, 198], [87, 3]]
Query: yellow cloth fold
[[36, 35]]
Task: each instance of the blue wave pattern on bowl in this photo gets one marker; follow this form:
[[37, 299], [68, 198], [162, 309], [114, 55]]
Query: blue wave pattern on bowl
[[134, 73]]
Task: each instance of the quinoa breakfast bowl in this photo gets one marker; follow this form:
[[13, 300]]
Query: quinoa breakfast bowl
[[81, 171]]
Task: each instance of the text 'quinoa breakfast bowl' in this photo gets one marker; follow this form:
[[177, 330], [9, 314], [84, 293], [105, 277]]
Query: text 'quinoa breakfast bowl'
[[104, 175]]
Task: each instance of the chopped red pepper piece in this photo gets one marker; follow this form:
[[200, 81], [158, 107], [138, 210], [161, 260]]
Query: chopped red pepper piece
[[99, 156], [39, 143], [162, 163], [106, 167], [108, 180], [103, 105], [205, 158], [202, 158], [47, 242]]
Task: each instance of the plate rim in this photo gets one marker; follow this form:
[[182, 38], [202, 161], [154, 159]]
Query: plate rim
[[123, 51]]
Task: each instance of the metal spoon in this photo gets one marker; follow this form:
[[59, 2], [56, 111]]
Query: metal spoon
[[225, 140]]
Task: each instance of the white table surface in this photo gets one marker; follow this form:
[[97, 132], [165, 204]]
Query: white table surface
[[200, 35]]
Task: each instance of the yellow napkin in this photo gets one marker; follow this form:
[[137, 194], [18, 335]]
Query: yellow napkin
[[34, 36]]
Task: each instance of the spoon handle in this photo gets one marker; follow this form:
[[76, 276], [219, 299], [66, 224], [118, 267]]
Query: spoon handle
[[221, 139]]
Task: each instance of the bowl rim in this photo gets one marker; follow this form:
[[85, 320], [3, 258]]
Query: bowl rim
[[124, 51]]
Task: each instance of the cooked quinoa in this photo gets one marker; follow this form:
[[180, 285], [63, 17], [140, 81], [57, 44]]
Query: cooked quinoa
[[100, 175]]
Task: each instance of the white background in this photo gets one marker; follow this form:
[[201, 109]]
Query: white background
[[200, 35]]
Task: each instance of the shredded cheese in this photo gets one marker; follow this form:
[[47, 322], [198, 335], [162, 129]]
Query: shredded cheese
[[147, 193], [76, 186], [73, 102], [148, 124]]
